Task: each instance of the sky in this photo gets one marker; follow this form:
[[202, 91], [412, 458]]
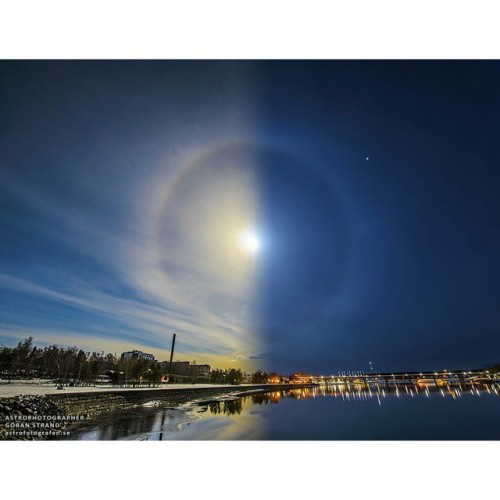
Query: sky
[[127, 189]]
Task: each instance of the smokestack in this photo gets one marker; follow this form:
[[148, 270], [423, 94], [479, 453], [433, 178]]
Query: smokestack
[[171, 357]]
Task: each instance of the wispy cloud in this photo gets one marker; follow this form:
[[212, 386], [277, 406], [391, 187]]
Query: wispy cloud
[[170, 266], [123, 211]]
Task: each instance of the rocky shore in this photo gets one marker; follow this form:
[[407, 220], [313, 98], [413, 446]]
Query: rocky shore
[[25, 409]]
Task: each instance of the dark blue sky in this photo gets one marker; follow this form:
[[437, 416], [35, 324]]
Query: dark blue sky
[[375, 192]]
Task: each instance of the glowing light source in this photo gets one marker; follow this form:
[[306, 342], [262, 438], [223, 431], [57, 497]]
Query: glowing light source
[[250, 242]]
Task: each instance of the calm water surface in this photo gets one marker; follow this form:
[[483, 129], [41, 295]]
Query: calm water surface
[[323, 413]]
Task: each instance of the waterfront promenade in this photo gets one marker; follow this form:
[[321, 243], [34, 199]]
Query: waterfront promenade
[[10, 390]]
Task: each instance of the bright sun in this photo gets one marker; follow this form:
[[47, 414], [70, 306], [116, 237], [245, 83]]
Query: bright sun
[[250, 242]]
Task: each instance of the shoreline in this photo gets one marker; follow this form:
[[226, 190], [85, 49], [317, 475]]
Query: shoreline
[[33, 389], [89, 404]]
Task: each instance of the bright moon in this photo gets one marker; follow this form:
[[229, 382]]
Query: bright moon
[[250, 242]]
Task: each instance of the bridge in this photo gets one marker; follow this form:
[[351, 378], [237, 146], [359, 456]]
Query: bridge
[[461, 379]]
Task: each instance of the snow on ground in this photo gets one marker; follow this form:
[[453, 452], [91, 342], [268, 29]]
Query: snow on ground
[[17, 389]]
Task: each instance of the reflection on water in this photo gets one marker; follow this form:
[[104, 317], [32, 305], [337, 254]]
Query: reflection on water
[[230, 407], [137, 424], [363, 392], [331, 411]]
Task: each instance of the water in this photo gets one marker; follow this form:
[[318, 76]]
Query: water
[[322, 413]]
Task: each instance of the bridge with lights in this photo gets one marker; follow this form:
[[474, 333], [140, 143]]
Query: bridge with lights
[[438, 379]]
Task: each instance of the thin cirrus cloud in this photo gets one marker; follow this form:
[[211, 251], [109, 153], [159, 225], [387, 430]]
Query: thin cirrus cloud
[[191, 302], [121, 225], [196, 285]]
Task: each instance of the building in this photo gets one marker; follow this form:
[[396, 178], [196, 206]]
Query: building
[[137, 354], [178, 367], [200, 371], [183, 371]]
